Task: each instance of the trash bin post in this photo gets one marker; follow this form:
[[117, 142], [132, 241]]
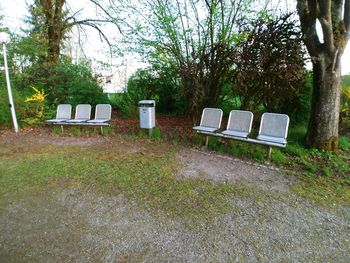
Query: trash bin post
[[147, 115]]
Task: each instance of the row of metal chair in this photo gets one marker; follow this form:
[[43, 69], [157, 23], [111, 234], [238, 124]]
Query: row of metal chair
[[82, 116], [273, 126]]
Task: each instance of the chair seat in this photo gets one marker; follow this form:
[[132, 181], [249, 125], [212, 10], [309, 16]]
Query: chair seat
[[235, 133], [272, 139], [98, 121], [57, 120], [205, 128], [77, 120]]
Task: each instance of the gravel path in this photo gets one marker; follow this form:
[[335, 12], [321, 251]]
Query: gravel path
[[67, 222]]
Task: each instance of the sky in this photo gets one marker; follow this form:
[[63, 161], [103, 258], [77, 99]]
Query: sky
[[15, 10]]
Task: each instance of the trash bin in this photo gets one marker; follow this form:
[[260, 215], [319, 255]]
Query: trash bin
[[147, 114]]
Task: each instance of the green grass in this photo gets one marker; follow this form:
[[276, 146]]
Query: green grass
[[324, 176], [323, 189], [150, 179]]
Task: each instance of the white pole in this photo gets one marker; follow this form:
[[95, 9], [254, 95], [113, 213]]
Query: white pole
[[12, 105]]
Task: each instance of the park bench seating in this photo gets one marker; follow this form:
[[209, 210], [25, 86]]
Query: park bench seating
[[210, 121], [272, 132], [64, 112], [82, 116]]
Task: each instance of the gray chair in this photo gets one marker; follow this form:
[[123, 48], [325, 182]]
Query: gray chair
[[103, 114], [239, 124], [210, 121], [82, 113], [274, 128], [64, 112]]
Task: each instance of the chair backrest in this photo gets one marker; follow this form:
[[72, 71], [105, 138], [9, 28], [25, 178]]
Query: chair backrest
[[83, 111], [103, 111], [240, 120], [211, 117], [274, 124], [64, 111]]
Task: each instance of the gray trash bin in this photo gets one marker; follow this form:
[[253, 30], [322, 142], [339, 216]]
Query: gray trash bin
[[147, 114]]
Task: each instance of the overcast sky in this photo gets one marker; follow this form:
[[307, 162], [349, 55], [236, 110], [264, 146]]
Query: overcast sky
[[15, 10]]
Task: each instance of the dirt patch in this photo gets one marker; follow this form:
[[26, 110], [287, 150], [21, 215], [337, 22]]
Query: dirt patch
[[219, 168]]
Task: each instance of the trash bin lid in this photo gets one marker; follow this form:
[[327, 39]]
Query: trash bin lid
[[147, 102]]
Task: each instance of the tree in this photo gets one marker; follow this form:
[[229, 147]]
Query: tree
[[194, 37], [55, 21], [334, 17], [56, 26], [269, 64]]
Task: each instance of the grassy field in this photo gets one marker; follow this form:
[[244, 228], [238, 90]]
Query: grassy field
[[123, 198]]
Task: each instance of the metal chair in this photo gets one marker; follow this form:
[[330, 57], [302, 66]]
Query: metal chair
[[64, 112], [210, 121], [274, 128], [103, 114], [82, 114], [239, 124]]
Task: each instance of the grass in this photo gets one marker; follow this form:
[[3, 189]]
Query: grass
[[323, 176], [323, 189], [150, 178]]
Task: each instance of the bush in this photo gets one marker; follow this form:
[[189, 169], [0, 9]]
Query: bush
[[146, 84], [269, 64], [5, 113], [74, 84]]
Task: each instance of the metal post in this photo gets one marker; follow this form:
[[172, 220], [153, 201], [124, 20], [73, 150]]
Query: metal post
[[12, 105], [269, 154], [61, 128], [150, 131], [101, 130], [206, 141]]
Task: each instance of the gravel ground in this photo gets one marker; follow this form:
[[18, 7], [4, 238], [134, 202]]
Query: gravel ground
[[67, 222]]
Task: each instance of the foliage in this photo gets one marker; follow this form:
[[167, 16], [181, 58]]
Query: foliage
[[149, 84], [344, 117], [75, 84], [35, 107], [299, 108], [195, 38], [5, 113], [269, 64], [346, 80]]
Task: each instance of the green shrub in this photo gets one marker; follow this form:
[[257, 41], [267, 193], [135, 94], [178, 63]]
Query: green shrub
[[146, 84], [5, 113], [278, 157], [344, 143], [75, 84]]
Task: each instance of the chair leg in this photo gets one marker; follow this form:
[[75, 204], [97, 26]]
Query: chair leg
[[269, 154]]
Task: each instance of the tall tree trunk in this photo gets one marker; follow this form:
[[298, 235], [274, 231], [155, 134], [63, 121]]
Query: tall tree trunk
[[53, 10], [334, 17], [324, 120], [54, 42]]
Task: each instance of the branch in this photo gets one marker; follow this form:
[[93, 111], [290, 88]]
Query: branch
[[102, 35], [107, 13], [307, 10]]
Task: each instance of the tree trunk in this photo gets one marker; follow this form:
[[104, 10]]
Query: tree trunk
[[53, 10], [324, 120], [54, 41]]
